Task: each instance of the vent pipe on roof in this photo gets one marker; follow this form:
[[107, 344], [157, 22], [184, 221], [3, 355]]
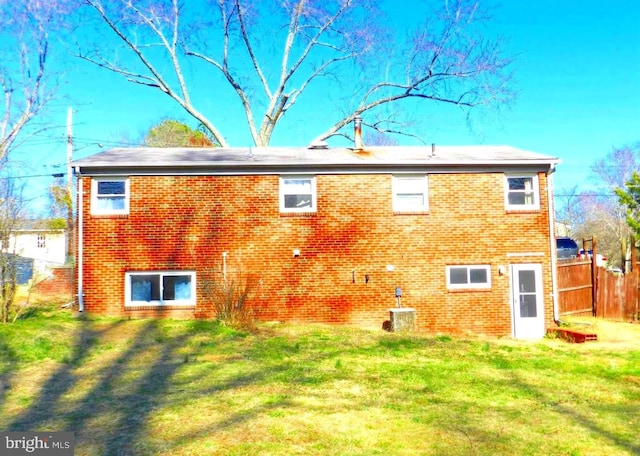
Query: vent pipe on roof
[[318, 145], [357, 133], [433, 149]]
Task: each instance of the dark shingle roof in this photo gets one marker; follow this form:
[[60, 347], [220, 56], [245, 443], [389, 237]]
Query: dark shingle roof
[[144, 158]]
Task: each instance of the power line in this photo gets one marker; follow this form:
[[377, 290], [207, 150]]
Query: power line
[[605, 195], [31, 175]]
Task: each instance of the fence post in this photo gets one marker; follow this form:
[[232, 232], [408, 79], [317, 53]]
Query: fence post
[[594, 273], [636, 273]]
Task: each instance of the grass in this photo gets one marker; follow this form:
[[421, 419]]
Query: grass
[[166, 387]]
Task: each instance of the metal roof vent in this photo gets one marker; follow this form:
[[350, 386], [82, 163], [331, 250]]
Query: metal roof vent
[[318, 145]]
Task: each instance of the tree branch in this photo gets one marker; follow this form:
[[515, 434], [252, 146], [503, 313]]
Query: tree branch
[[254, 60], [156, 79], [447, 62]]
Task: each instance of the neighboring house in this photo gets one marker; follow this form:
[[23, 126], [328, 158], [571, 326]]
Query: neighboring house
[[37, 247], [327, 234], [563, 229]]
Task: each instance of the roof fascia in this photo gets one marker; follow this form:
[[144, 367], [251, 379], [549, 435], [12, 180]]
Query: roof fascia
[[280, 168]]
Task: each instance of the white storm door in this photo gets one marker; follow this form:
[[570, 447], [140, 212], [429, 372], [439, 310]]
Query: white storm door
[[528, 308]]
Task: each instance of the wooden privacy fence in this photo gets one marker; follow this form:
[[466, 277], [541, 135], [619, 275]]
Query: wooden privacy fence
[[576, 290], [617, 295], [585, 289]]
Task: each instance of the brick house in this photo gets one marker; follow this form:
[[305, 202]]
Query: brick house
[[328, 234]]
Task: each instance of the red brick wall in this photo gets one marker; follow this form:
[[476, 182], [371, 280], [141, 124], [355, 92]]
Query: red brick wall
[[188, 222], [59, 283]]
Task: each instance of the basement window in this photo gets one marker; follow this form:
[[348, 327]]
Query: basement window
[[474, 276], [298, 194], [160, 288], [109, 196]]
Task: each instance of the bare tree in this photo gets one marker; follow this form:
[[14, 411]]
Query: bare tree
[[569, 211], [25, 79], [601, 217], [12, 208], [616, 168], [613, 171], [270, 53], [598, 212]]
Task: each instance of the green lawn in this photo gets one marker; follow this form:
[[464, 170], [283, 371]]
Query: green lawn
[[193, 387]]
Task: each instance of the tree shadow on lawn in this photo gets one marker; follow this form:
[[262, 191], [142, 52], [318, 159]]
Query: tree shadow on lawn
[[607, 412], [110, 416], [109, 402], [8, 362], [58, 383], [111, 412]]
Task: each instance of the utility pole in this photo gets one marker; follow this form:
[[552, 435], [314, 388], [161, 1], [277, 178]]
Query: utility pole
[[69, 200]]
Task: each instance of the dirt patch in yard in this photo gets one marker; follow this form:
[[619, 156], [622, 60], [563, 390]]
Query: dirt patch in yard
[[611, 334]]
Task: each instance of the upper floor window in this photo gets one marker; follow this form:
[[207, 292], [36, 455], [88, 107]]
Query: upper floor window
[[298, 194], [476, 276], [41, 241], [110, 196], [410, 193], [521, 192]]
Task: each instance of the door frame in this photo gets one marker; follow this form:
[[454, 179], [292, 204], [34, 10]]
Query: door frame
[[525, 328]]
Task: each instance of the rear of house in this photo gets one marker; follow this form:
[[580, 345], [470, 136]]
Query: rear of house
[[329, 235]]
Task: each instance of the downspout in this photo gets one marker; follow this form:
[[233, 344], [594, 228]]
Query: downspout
[[79, 248], [552, 246]]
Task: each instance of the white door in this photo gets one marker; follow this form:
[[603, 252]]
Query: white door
[[528, 308]]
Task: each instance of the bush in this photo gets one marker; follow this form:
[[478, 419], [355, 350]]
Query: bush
[[230, 297]]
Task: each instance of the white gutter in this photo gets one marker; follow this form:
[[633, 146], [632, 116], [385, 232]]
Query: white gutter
[[80, 193], [552, 246]]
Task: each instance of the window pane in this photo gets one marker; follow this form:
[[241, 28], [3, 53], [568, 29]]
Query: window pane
[[527, 281], [409, 184], [528, 198], [145, 288], [115, 203], [516, 198], [176, 287], [297, 185], [295, 201], [111, 187], [521, 198], [408, 201], [478, 276], [520, 183], [528, 306], [458, 275]]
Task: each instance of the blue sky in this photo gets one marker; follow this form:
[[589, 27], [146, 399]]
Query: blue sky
[[576, 73]]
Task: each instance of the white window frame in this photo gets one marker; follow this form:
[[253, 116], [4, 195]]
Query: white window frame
[[286, 191], [535, 192], [95, 209], [410, 184], [160, 302], [469, 284]]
